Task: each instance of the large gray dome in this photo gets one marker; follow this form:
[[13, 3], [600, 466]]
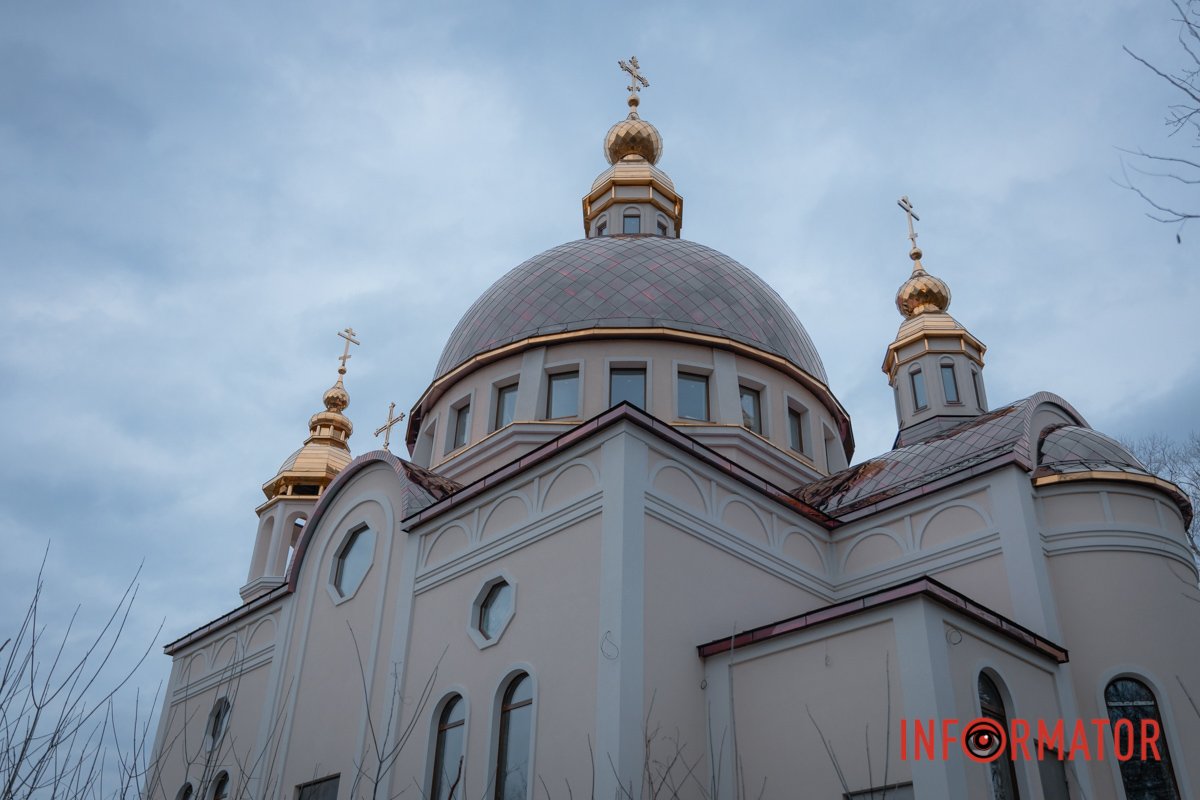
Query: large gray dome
[[632, 282]]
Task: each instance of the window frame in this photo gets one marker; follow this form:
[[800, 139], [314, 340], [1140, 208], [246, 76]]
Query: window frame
[[218, 717], [474, 629], [920, 389], [438, 740], [221, 782], [801, 412], [335, 566], [336, 777], [690, 372], [459, 431], [616, 366], [1001, 715], [559, 372], [498, 393], [946, 368], [631, 214], [756, 391], [1165, 723], [499, 734]]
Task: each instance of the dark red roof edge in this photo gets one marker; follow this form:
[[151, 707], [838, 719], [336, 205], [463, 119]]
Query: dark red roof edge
[[226, 618], [923, 586], [584, 430]]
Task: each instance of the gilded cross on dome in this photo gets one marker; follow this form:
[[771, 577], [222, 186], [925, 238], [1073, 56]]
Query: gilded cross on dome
[[911, 214], [637, 80], [348, 334], [386, 428]]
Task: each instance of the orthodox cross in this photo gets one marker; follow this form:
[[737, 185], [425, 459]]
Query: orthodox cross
[[386, 428], [908, 211], [636, 77], [348, 335]]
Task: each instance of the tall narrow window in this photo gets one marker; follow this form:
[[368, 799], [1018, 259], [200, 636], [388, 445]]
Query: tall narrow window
[[978, 390], [627, 385], [185, 792], [512, 752], [950, 384], [506, 405], [918, 387], [693, 396], [462, 424], [602, 227], [448, 754], [751, 409], [220, 790], [1002, 772], [662, 228], [631, 223], [1132, 710], [796, 425], [562, 400]]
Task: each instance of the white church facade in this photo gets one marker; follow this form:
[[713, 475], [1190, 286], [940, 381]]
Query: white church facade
[[624, 556]]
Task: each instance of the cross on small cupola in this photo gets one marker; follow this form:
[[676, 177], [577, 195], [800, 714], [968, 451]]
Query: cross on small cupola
[[911, 214], [348, 334]]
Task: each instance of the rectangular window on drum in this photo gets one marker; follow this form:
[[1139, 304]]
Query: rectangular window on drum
[[950, 384], [693, 396], [563, 398], [918, 387]]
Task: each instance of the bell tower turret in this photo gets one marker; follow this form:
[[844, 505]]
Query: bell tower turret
[[935, 365], [633, 196], [299, 484]]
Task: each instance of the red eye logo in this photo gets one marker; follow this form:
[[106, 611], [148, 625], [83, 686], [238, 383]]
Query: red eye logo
[[983, 740]]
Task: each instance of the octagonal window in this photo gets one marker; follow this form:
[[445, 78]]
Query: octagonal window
[[353, 561], [492, 610]]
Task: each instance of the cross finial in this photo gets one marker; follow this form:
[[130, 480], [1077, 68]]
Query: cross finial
[[637, 81], [386, 428], [908, 211], [348, 334]]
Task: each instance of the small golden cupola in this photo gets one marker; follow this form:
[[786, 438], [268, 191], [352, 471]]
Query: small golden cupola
[[633, 196], [935, 365], [326, 451]]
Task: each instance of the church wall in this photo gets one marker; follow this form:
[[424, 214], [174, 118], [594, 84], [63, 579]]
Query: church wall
[[318, 694], [553, 635], [694, 593], [1026, 682], [233, 664], [953, 535], [1133, 614], [838, 675]]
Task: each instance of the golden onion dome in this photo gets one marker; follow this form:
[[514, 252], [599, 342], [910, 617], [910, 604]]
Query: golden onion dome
[[633, 136], [336, 398], [922, 293]]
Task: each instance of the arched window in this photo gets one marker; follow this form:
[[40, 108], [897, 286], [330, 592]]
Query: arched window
[[1133, 712], [512, 751], [918, 387], [221, 787], [185, 792], [1002, 770], [448, 755]]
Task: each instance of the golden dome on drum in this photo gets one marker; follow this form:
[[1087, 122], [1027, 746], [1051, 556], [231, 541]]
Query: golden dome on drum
[[633, 136], [922, 293]]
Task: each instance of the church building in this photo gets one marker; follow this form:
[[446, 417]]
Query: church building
[[623, 554]]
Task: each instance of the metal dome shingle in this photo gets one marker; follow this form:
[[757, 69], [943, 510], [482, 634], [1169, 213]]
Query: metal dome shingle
[[627, 282]]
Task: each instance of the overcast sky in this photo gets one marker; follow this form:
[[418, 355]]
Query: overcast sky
[[194, 198]]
